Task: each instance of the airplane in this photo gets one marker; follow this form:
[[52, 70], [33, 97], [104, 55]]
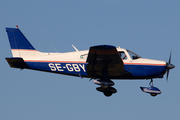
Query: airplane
[[102, 63]]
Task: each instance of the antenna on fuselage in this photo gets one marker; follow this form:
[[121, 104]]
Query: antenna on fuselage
[[54, 48], [75, 48]]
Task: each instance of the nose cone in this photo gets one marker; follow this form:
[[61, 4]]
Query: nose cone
[[170, 66]]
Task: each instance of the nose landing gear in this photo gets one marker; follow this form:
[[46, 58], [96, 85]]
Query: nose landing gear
[[153, 91]]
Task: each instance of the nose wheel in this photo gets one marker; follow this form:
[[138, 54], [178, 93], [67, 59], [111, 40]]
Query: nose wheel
[[153, 91], [151, 84]]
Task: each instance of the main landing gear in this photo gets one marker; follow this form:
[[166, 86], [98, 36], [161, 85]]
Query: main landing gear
[[153, 91], [105, 87]]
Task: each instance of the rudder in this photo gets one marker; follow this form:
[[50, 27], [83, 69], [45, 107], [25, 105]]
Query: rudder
[[18, 42]]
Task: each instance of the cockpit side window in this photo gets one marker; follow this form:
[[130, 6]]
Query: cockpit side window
[[123, 55]]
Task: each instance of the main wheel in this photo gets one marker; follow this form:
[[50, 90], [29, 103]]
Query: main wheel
[[107, 93], [153, 94]]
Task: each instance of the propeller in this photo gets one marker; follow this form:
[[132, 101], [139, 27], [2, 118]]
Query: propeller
[[169, 66]]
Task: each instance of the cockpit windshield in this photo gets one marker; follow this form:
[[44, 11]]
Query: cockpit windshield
[[133, 55]]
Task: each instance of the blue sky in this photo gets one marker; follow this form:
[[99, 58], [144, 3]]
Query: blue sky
[[149, 28]]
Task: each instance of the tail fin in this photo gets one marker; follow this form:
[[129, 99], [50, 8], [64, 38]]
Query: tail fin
[[19, 43]]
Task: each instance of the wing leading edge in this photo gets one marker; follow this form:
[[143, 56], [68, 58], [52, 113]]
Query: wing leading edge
[[104, 61]]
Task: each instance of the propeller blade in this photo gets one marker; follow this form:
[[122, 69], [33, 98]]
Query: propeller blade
[[167, 74], [170, 57], [169, 66]]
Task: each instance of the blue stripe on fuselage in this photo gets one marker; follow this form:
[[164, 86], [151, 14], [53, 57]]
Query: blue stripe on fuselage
[[80, 68], [64, 68]]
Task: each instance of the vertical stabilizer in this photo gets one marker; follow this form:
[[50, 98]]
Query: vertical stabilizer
[[19, 43]]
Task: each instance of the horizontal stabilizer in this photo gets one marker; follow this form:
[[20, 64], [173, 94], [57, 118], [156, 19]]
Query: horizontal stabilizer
[[17, 63]]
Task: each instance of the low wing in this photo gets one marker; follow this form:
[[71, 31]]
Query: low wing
[[104, 61]]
